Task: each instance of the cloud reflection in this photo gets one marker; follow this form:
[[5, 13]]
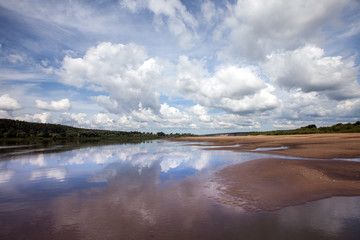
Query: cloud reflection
[[328, 215], [6, 175], [173, 160], [38, 160], [130, 204], [55, 173], [103, 176], [140, 157], [35, 160]]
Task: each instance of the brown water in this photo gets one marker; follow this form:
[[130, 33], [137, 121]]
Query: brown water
[[152, 190]]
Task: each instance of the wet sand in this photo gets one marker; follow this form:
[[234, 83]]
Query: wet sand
[[273, 183], [270, 183]]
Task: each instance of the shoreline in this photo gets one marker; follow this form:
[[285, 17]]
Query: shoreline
[[269, 184]]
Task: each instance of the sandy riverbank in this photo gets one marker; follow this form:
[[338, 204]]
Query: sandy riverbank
[[321, 146], [271, 183]]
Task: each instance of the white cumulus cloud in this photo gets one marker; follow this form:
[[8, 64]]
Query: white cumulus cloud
[[8, 103], [232, 88], [349, 108], [101, 119], [39, 117], [75, 119], [61, 105], [308, 69], [124, 71]]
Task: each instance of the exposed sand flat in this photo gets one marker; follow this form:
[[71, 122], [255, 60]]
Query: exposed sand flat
[[272, 183], [322, 146]]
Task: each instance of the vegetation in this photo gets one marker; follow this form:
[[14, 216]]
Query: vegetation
[[312, 128], [20, 129]]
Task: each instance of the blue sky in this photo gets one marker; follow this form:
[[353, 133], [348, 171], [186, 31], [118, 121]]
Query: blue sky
[[180, 66]]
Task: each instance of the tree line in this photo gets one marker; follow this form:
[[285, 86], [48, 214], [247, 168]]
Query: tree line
[[10, 128]]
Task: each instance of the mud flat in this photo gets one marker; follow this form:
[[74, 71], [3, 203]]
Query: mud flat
[[269, 184]]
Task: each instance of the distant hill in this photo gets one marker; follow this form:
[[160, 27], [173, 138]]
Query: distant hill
[[312, 128], [20, 129]]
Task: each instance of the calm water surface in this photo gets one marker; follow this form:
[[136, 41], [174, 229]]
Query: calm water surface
[[152, 190]]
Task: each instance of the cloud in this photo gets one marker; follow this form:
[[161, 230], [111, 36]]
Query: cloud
[[16, 75], [144, 115], [286, 124], [194, 117], [308, 69], [102, 119], [61, 105], [179, 21], [200, 112], [8, 103], [39, 117], [86, 17], [352, 29], [4, 114], [208, 11], [171, 13], [15, 58], [231, 88], [168, 112], [297, 109], [349, 108], [75, 119], [204, 120], [123, 71], [106, 102], [299, 105], [258, 27], [42, 117]]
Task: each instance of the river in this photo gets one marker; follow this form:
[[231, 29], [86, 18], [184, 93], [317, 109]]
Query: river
[[151, 190]]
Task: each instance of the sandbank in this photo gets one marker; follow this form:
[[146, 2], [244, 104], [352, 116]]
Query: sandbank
[[269, 184], [321, 146]]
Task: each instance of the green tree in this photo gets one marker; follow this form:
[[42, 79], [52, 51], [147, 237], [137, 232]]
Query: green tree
[[160, 134]]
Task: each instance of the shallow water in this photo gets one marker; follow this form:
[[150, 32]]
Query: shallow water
[[269, 148], [152, 190]]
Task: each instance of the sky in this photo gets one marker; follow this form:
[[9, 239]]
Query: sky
[[180, 65]]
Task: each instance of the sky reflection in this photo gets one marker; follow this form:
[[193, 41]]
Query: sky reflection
[[171, 158]]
